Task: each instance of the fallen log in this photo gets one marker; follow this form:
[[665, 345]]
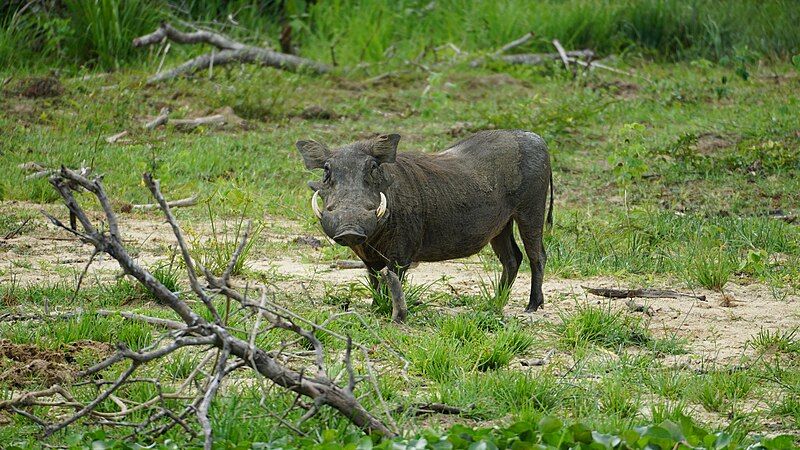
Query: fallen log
[[228, 51], [641, 293]]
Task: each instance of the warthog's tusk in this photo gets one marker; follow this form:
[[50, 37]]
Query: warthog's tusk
[[314, 205], [382, 207]]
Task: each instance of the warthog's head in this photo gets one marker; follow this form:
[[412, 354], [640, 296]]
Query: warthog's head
[[352, 186]]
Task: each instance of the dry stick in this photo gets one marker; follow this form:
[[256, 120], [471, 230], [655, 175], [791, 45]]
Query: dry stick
[[161, 119], [592, 64], [83, 274], [114, 138], [505, 48], [153, 185], [166, 323], [17, 230], [533, 59], [516, 43], [230, 51], [641, 293], [50, 429], [211, 390], [184, 202], [561, 53], [191, 124]]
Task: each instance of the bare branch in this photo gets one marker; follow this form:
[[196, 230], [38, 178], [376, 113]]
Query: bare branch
[[230, 51]]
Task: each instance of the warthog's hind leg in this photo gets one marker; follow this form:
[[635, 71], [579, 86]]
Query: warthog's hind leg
[[508, 253], [531, 230]]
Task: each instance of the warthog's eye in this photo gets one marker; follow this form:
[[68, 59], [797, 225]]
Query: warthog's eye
[[372, 171], [326, 177]]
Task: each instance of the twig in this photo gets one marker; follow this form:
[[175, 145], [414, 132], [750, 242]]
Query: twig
[[196, 331], [642, 293], [516, 43], [184, 202], [161, 119], [561, 53], [114, 138], [191, 124], [535, 59], [157, 321], [13, 233]]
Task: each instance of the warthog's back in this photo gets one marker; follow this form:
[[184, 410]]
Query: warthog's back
[[460, 198]]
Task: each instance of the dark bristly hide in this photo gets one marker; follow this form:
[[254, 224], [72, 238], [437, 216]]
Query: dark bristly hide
[[438, 206]]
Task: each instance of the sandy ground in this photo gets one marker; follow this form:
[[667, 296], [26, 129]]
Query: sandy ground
[[715, 331]]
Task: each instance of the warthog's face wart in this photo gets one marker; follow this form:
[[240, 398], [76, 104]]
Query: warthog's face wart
[[353, 184]]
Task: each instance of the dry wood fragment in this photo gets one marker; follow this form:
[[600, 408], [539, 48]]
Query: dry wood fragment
[[516, 43], [229, 51], [189, 201], [191, 124], [641, 293], [561, 53], [114, 138], [161, 119], [13, 233]]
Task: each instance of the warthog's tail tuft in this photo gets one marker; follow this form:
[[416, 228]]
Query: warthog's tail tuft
[[550, 211]]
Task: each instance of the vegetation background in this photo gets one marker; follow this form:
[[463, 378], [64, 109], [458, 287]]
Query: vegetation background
[[682, 173]]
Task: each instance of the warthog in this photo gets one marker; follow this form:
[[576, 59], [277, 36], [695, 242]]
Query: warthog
[[394, 209]]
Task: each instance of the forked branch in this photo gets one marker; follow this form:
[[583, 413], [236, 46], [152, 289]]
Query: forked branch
[[228, 51], [194, 330]]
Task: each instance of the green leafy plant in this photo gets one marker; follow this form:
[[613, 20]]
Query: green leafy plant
[[628, 158]]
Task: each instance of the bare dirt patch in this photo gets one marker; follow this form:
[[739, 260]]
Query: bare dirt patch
[[717, 330], [713, 331]]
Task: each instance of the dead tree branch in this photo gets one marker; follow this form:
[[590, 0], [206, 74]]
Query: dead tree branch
[[193, 331], [227, 51], [641, 293]]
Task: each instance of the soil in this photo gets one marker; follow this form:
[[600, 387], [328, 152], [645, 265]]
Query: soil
[[23, 364], [715, 330]]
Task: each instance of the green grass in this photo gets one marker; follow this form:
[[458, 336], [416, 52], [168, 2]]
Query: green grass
[[671, 181], [350, 32], [607, 328]]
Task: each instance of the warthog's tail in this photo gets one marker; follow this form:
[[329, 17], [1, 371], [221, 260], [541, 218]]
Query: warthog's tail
[[550, 211]]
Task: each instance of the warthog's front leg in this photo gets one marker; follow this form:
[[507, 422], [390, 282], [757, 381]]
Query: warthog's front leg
[[399, 309]]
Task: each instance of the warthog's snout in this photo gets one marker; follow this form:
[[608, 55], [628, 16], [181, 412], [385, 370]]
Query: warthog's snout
[[350, 237]]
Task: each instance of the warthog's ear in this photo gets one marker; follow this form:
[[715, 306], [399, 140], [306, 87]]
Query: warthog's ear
[[384, 148], [314, 154]]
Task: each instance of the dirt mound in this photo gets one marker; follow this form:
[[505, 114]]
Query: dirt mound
[[31, 364], [27, 352], [40, 87]]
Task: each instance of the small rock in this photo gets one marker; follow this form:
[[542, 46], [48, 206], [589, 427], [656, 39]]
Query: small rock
[[311, 241]]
